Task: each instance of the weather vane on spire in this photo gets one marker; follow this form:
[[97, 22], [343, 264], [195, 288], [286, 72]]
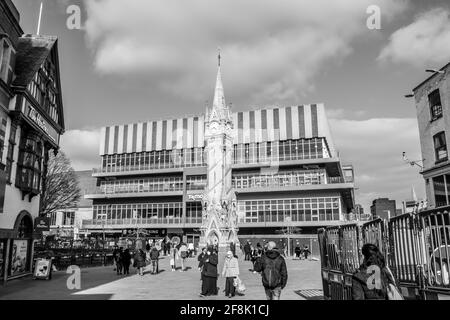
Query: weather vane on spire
[[218, 56]]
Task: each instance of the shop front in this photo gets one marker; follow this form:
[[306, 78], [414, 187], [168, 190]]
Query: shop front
[[16, 248]]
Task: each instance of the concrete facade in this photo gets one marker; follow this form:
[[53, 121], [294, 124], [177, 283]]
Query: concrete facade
[[383, 208]]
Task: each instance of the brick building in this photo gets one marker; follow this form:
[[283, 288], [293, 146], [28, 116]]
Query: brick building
[[432, 98], [383, 208]]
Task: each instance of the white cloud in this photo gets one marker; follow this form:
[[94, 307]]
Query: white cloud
[[375, 147], [425, 42], [271, 49], [81, 146]]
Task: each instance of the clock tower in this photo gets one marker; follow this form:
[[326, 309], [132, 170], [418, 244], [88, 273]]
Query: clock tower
[[219, 211]]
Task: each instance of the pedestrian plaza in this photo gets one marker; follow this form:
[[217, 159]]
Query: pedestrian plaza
[[102, 283]]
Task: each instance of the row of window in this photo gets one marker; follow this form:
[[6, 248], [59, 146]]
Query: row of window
[[142, 185], [300, 209], [301, 149], [441, 186], [282, 179], [164, 159], [68, 218]]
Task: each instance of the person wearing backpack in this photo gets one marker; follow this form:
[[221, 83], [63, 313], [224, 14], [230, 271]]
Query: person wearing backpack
[[365, 285], [273, 271], [154, 258]]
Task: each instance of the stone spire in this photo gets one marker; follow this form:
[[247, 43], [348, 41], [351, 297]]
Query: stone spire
[[219, 111]]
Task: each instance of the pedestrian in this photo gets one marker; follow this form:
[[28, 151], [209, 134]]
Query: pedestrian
[[259, 249], [164, 247], [209, 272], [115, 253], [247, 251], [298, 251], [273, 271], [230, 272], [118, 260], [139, 261], [306, 252], [183, 254], [200, 262], [373, 260], [126, 260], [154, 258], [172, 263], [168, 246]]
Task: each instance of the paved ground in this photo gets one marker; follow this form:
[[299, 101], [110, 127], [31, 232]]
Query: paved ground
[[102, 283]]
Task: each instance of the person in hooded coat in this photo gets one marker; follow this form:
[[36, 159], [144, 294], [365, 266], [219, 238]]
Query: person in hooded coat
[[209, 273]]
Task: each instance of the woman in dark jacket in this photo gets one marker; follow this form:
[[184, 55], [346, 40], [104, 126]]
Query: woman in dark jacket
[[370, 282], [209, 273], [139, 261], [126, 260]]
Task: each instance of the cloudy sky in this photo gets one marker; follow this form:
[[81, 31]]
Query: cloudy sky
[[138, 60]]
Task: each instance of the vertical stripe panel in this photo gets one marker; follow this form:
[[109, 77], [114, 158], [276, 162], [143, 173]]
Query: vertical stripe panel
[[164, 135], [130, 138], [116, 138], [282, 123], [102, 150], [235, 128], [294, 123], [144, 136], [201, 131], [270, 126], [149, 137], [154, 135], [301, 121], [190, 132], [288, 123], [264, 134], [314, 121], [240, 127], [139, 137], [258, 132], [174, 133], [134, 137], [308, 122], [252, 126], [169, 135], [195, 132], [180, 134], [185, 133], [120, 141], [125, 139], [111, 140], [276, 124], [159, 128]]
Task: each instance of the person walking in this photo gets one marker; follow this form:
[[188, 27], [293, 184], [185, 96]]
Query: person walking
[[154, 258], [230, 272], [306, 252], [209, 273], [139, 261], [126, 261], [273, 271], [164, 247], [247, 251], [298, 251], [373, 264], [119, 261], [115, 253], [183, 254]]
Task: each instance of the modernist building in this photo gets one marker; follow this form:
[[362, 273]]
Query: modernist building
[[432, 99], [282, 169], [31, 122]]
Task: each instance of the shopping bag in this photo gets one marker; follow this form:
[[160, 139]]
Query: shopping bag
[[393, 292], [240, 287]]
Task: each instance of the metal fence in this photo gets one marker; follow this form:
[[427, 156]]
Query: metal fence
[[416, 248]]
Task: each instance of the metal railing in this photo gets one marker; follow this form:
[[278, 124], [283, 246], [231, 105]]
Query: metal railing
[[283, 180], [132, 223]]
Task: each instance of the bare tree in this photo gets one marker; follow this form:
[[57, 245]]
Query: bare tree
[[60, 189]]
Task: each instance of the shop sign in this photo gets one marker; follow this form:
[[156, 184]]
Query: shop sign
[[47, 128], [42, 224], [195, 197]]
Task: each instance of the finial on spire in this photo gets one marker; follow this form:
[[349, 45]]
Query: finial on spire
[[218, 56]]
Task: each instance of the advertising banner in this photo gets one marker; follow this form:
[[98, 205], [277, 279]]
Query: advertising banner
[[19, 257], [42, 269]]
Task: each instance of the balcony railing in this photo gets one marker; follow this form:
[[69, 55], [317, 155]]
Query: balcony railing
[[146, 167], [133, 223], [244, 182], [136, 188]]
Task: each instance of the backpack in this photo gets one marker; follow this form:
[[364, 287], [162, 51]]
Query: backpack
[[271, 274]]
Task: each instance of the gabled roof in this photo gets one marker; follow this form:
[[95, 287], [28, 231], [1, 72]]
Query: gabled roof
[[32, 51]]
